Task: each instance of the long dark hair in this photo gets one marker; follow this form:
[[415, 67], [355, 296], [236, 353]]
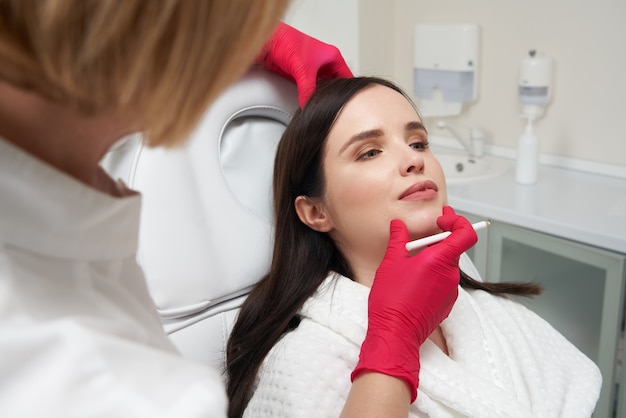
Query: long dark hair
[[302, 258]]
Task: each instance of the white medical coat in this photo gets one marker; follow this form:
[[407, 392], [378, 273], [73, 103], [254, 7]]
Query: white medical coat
[[79, 334]]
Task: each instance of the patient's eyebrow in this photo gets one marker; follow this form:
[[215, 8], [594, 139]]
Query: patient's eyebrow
[[377, 133], [415, 126], [362, 136]]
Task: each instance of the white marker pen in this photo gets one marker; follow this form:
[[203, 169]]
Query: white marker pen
[[426, 241]]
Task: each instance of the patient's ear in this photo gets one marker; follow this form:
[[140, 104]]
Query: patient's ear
[[313, 214]]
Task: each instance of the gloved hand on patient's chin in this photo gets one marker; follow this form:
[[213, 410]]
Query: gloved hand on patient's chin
[[303, 59], [410, 297]]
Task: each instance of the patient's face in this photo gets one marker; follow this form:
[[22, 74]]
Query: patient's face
[[378, 167]]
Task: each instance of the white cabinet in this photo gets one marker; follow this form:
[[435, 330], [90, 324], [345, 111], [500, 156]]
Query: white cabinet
[[583, 294]]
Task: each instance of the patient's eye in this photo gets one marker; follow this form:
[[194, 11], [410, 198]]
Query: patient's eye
[[371, 153], [420, 145]]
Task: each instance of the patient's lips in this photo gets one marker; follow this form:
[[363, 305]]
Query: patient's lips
[[420, 191]]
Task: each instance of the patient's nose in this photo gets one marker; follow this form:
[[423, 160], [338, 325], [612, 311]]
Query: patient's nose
[[413, 162]]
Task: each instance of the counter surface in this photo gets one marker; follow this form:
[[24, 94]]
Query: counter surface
[[579, 206]]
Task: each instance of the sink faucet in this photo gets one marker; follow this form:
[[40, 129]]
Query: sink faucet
[[476, 139]]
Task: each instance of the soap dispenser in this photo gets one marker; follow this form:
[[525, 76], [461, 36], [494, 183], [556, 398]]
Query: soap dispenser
[[527, 168], [534, 92]]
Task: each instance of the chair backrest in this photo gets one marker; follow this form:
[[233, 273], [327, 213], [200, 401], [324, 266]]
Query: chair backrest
[[206, 228]]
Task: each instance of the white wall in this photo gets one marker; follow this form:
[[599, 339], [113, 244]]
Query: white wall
[[587, 116], [335, 22]]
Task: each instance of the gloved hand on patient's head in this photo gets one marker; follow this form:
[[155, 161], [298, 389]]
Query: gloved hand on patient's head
[[410, 297], [302, 59]]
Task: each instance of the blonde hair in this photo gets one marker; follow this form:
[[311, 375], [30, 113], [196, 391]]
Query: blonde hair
[[163, 61]]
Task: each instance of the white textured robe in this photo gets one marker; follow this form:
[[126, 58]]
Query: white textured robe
[[504, 361]]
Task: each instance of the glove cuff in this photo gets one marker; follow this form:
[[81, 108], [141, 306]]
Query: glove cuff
[[391, 356]]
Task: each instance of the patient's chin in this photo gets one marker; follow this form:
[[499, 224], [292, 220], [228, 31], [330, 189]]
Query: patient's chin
[[422, 227]]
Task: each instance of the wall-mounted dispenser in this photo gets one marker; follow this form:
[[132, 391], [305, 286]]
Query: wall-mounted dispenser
[[445, 74], [535, 84]]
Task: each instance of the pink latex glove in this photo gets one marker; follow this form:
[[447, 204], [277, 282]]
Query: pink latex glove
[[410, 297], [302, 59]]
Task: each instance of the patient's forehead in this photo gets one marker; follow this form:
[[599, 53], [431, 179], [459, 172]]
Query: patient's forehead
[[375, 108]]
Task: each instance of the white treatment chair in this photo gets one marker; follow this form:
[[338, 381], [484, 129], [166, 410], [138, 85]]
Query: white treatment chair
[[205, 235]]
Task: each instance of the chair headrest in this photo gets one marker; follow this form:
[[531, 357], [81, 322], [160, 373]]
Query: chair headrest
[[206, 229]]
